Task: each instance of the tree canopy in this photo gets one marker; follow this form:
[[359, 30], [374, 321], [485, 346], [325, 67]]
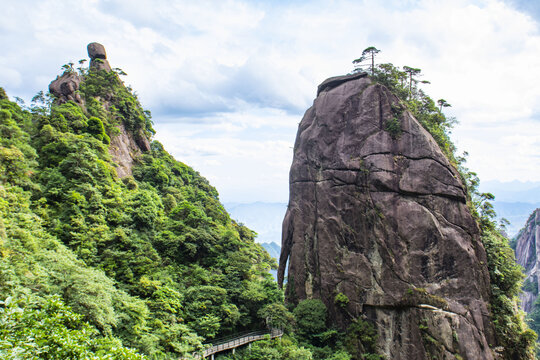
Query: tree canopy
[[150, 265]]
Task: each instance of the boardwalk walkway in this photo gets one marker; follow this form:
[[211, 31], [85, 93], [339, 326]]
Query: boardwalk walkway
[[232, 343]]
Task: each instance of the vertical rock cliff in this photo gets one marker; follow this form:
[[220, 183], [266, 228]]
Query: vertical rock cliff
[[378, 214], [527, 250]]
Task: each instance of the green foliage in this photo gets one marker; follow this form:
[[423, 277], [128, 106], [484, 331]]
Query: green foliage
[[17, 156], [393, 126], [207, 310], [97, 130], [310, 318], [341, 300], [34, 260], [424, 109], [505, 275], [285, 348], [415, 296], [151, 262], [340, 355], [533, 318], [277, 316], [368, 54], [531, 285], [361, 338], [45, 328], [125, 107]]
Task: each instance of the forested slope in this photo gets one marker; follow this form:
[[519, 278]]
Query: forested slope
[[92, 264]]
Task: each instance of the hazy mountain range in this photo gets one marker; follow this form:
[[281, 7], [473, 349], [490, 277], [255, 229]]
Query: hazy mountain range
[[265, 219], [514, 201], [262, 217]]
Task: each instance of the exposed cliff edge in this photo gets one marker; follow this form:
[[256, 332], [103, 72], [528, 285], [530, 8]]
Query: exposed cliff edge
[[378, 214], [527, 250], [127, 142]]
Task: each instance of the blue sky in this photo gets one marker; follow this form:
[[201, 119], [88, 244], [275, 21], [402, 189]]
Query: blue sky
[[228, 81]]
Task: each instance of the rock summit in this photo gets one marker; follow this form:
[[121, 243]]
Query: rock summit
[[378, 214]]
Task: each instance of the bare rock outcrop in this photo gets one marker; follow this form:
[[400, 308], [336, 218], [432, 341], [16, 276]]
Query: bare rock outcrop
[[66, 86], [527, 250], [380, 216], [98, 57], [125, 148]]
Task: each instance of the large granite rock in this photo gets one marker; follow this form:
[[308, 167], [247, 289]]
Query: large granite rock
[[527, 250], [65, 88], [98, 57], [381, 217], [125, 148]]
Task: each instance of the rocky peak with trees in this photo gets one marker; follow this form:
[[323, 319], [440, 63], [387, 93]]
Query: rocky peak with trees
[[113, 110], [386, 227], [104, 264]]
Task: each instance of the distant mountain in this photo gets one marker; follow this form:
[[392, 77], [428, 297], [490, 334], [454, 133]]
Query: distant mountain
[[515, 212], [527, 256], [513, 191], [264, 218], [514, 200], [274, 250]]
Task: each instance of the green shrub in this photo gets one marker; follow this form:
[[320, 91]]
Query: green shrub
[[361, 339], [393, 126], [531, 285], [341, 300], [310, 319]]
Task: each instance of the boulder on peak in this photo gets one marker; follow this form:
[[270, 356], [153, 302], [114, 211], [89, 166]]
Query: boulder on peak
[[98, 57], [96, 51]]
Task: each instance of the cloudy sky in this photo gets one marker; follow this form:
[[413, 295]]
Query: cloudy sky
[[228, 81]]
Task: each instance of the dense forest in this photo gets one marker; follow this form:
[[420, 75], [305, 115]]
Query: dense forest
[[114, 268], [151, 265]]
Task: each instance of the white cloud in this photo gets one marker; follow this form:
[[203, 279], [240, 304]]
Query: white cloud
[[229, 80]]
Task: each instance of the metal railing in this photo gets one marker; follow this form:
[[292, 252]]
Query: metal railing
[[234, 341]]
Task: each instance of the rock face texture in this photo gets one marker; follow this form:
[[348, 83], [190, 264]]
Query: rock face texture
[[381, 217], [527, 250], [125, 148], [65, 88]]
